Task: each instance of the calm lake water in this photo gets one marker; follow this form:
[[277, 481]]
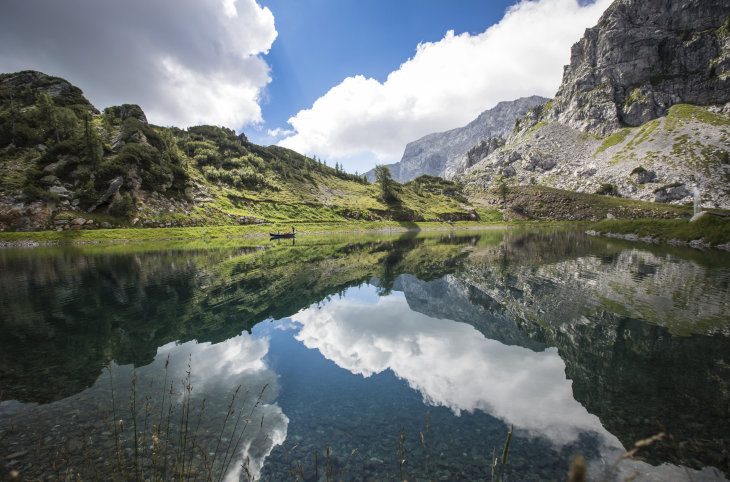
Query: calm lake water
[[367, 358]]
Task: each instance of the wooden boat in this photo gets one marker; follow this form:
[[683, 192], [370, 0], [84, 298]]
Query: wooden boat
[[283, 235]]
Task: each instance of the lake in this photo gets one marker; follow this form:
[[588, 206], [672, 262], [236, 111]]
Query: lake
[[366, 357]]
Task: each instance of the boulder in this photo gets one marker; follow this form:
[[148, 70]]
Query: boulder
[[53, 167], [672, 192], [534, 161], [514, 156], [60, 191], [113, 188], [643, 176]]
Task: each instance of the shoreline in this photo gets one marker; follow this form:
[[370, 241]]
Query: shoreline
[[636, 238], [36, 239], [708, 232], [705, 234]]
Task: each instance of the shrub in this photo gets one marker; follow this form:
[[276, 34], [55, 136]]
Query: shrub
[[138, 154], [241, 177], [122, 205], [608, 189]]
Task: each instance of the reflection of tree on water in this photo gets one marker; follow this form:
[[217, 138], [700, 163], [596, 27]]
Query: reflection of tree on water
[[67, 314]]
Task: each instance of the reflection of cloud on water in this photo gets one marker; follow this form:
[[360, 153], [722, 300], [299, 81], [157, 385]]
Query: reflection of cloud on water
[[454, 365], [451, 364], [217, 369]]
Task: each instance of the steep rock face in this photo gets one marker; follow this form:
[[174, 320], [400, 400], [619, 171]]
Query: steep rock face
[[643, 110], [473, 155], [642, 58], [439, 154]]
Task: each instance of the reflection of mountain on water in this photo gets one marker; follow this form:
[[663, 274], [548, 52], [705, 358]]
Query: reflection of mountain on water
[[79, 425], [450, 298], [641, 380], [638, 377]]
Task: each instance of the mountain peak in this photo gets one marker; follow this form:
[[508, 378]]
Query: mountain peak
[[443, 153]]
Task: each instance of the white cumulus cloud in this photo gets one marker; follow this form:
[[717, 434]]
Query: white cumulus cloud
[[445, 84], [184, 62]]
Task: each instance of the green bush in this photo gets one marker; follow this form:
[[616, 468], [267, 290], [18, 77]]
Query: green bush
[[608, 189], [140, 155], [207, 157], [122, 205], [245, 177]]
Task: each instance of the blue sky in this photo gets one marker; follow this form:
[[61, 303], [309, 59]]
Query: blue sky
[[321, 42]]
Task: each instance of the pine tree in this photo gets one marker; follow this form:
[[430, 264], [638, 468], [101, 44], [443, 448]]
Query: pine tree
[[386, 182], [47, 111]]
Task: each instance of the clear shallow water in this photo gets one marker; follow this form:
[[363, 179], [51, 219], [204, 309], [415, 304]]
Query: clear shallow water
[[369, 350]]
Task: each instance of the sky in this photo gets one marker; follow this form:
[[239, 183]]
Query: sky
[[349, 81]]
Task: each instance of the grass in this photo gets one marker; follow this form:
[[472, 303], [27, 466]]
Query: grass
[[635, 96], [228, 232], [644, 132], [614, 139], [712, 230], [688, 112], [546, 203]]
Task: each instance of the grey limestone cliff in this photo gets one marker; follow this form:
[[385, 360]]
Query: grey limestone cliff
[[643, 110], [643, 57]]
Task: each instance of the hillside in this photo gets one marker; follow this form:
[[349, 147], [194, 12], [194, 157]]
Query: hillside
[[66, 165], [643, 111], [447, 153]]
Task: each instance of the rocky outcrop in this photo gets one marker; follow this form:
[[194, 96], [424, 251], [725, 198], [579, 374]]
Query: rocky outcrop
[[643, 110], [112, 190], [64, 94], [474, 155], [662, 161], [642, 58], [124, 112], [442, 153]]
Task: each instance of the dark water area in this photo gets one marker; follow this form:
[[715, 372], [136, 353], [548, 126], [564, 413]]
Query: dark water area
[[373, 357]]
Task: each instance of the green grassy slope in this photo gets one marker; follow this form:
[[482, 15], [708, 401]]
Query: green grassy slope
[[72, 161]]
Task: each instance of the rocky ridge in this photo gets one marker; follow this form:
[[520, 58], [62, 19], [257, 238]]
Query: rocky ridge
[[643, 110], [446, 153]]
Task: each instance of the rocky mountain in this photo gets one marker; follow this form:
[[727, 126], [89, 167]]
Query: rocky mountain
[[642, 58], [65, 165], [643, 110], [445, 153]]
